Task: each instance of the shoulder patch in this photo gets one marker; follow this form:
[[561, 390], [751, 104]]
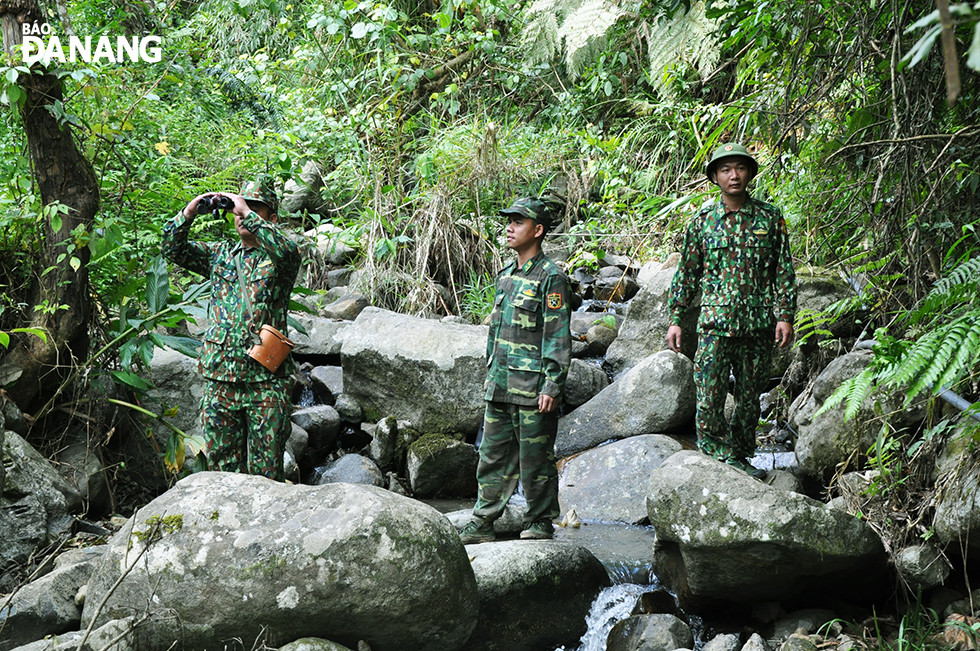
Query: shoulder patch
[[554, 301]]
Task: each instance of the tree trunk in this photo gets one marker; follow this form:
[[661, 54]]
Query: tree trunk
[[63, 175]]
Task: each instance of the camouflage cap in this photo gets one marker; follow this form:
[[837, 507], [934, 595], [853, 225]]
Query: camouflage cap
[[726, 150], [261, 190], [531, 208]]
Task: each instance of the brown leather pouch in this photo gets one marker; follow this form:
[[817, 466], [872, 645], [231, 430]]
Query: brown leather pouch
[[272, 350]]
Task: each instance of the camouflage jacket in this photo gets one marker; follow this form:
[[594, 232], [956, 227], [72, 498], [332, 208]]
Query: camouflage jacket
[[741, 263], [530, 346], [270, 270]]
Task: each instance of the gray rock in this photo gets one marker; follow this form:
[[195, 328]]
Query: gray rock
[[644, 332], [118, 633], [303, 195], [420, 370], [313, 644], [327, 381], [510, 522], [384, 443], [649, 633], [797, 642], [957, 516], [756, 643], [44, 607], [322, 424], [439, 466], [922, 566], [655, 396], [615, 288], [12, 418], [84, 472], [323, 336], [352, 469], [178, 388], [298, 441], [809, 620], [34, 505], [824, 441], [342, 562], [346, 308], [79, 555], [584, 382], [611, 482], [599, 337], [339, 278], [533, 594], [348, 408], [723, 536], [723, 642]]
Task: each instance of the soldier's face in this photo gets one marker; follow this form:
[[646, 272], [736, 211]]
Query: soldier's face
[[522, 232], [733, 175]]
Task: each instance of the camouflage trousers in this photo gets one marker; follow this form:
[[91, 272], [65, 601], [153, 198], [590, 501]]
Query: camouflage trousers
[[748, 359], [246, 425], [518, 443]]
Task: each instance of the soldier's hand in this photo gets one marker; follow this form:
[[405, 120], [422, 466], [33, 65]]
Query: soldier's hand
[[674, 338], [784, 334], [546, 403], [191, 209]]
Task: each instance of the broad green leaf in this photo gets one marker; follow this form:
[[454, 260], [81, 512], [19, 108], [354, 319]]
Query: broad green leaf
[[4, 339], [131, 379], [359, 30], [295, 325], [157, 285], [184, 345], [56, 222]]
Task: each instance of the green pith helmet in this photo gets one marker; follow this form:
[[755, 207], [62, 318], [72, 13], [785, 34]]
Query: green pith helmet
[[726, 150], [530, 208], [261, 190]]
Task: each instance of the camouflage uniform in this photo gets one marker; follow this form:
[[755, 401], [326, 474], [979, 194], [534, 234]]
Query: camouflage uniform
[[742, 265], [528, 354], [245, 408]]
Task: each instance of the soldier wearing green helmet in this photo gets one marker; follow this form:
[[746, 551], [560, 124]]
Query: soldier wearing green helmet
[[736, 254], [245, 408], [529, 350]]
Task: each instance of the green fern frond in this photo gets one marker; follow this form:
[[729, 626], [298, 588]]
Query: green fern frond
[[858, 391], [852, 391], [949, 359], [957, 288], [686, 40], [540, 40], [915, 360], [584, 27]]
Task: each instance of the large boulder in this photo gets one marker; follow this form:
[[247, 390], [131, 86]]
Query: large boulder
[[533, 595], [227, 555], [303, 194], [644, 332], [44, 607], [424, 371], [324, 337], [584, 382], [655, 632], [352, 469], [178, 389], [35, 501], [957, 518], [655, 396], [611, 482], [824, 441], [724, 536], [441, 466]]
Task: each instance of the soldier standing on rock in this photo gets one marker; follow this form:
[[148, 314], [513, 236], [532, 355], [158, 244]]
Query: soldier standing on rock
[[245, 408], [736, 252], [529, 351]]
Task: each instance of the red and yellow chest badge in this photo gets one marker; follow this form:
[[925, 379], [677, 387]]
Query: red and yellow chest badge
[[554, 301]]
